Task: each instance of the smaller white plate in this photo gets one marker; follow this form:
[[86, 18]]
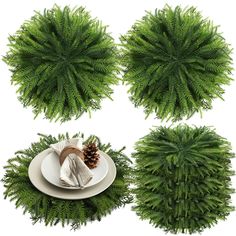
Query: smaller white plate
[[50, 169]]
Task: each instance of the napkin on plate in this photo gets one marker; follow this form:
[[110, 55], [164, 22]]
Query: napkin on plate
[[73, 172]]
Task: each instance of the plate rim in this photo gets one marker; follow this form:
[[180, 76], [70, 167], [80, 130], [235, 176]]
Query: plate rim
[[46, 188], [73, 188]]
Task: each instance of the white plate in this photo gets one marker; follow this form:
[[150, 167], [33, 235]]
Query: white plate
[[44, 186], [50, 169]]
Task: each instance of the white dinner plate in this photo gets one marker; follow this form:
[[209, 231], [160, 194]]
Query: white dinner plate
[[50, 169], [44, 186]]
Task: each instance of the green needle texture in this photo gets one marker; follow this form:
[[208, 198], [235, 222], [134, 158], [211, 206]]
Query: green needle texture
[[175, 63], [182, 178], [63, 63]]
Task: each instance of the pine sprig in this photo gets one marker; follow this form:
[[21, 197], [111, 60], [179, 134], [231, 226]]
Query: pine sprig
[[182, 178], [63, 62], [175, 62], [50, 210]]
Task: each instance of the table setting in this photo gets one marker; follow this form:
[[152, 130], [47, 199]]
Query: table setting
[[82, 178]]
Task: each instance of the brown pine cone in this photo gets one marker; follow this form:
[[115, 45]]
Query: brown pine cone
[[91, 155]]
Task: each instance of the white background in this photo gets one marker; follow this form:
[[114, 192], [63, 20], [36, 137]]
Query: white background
[[117, 122]]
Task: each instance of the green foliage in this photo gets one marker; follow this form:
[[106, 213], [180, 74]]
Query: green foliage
[[63, 62], [51, 210], [182, 178], [175, 63]]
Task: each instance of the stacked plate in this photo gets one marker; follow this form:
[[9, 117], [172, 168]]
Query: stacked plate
[[44, 173]]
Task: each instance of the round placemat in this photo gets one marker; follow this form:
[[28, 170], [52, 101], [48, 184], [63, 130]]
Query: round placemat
[[114, 191], [44, 186]]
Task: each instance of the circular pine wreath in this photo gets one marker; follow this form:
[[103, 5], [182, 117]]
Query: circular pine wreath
[[64, 63], [182, 178], [52, 210], [175, 63]]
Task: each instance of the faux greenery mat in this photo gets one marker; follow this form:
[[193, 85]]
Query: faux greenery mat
[[183, 178], [64, 63], [176, 62], [51, 210]]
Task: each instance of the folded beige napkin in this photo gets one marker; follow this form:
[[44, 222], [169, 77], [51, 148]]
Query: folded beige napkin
[[73, 172]]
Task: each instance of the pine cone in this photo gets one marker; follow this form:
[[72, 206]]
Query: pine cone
[[91, 155]]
